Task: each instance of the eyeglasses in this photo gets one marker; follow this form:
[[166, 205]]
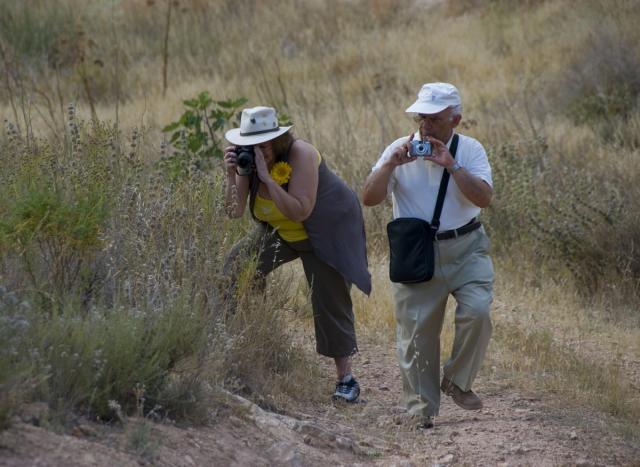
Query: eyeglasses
[[419, 118]]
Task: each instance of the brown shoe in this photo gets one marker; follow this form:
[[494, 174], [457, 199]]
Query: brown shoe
[[468, 400]]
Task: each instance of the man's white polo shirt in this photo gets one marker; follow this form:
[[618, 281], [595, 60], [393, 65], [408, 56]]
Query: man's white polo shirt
[[414, 186]]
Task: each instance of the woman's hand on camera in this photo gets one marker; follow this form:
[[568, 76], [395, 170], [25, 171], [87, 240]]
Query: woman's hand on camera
[[230, 160], [261, 165]]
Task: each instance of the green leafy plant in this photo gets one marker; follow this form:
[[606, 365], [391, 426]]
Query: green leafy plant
[[194, 136]]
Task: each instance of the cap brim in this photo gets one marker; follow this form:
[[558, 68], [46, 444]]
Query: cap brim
[[426, 108], [234, 136]]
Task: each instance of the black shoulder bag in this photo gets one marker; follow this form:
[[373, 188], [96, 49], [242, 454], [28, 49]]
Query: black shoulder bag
[[411, 248]]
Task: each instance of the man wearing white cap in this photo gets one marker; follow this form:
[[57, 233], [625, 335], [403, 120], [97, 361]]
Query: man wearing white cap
[[439, 179]]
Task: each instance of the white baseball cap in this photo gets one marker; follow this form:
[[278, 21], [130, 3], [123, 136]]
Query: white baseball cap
[[257, 125], [434, 98]]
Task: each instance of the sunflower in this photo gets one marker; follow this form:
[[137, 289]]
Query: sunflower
[[281, 172]]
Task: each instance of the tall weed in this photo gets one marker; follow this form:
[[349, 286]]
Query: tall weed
[[113, 268]]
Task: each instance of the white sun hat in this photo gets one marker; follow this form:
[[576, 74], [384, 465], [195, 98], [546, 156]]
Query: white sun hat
[[434, 98], [257, 125]]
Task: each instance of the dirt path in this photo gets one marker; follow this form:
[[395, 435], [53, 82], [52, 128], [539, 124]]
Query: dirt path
[[512, 429]]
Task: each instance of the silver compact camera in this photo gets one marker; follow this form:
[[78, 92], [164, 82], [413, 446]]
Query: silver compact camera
[[419, 148]]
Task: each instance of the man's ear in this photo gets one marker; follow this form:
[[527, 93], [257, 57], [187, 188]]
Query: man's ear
[[456, 120]]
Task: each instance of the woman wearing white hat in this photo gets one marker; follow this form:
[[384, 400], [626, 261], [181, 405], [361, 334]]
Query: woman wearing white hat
[[303, 211]]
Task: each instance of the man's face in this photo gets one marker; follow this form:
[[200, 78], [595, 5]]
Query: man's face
[[438, 126]]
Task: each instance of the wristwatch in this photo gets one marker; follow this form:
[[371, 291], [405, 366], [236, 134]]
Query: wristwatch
[[455, 167]]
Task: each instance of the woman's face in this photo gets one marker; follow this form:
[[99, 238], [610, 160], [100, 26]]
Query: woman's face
[[267, 152]]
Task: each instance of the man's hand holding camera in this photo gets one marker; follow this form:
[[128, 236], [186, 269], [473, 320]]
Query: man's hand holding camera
[[439, 153], [400, 155], [429, 149]]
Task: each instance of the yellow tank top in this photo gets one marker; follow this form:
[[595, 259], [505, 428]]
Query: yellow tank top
[[267, 211]]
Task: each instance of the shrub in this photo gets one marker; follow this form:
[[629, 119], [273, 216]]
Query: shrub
[[115, 271], [565, 215], [193, 135]]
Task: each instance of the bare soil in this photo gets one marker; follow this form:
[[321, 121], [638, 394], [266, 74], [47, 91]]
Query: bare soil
[[513, 429]]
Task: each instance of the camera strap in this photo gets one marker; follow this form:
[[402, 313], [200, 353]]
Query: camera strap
[[442, 191]]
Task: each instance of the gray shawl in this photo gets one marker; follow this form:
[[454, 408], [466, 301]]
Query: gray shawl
[[336, 228]]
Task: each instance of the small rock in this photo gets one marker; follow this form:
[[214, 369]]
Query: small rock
[[446, 460], [383, 388], [344, 443], [189, 460], [573, 435], [518, 450]]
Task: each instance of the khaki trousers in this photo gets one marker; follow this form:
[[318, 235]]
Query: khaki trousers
[[463, 269]]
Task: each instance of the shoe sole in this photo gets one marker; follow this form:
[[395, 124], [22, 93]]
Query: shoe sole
[[464, 407], [425, 426], [342, 399]]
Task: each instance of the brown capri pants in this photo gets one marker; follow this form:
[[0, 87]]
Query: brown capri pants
[[330, 292]]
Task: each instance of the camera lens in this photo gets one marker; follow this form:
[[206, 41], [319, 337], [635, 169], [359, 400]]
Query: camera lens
[[244, 160]]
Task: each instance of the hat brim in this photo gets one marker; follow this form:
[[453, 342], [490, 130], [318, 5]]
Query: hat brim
[[426, 108], [234, 136]]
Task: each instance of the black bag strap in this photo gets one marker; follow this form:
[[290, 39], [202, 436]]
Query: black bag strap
[[435, 222]]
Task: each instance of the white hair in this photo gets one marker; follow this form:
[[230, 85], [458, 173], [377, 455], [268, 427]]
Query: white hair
[[456, 110]]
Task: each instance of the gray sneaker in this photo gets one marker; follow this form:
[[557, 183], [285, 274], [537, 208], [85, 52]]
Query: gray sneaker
[[425, 423], [347, 391]]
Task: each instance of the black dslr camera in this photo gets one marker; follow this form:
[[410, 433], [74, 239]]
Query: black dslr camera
[[419, 148], [245, 160]]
